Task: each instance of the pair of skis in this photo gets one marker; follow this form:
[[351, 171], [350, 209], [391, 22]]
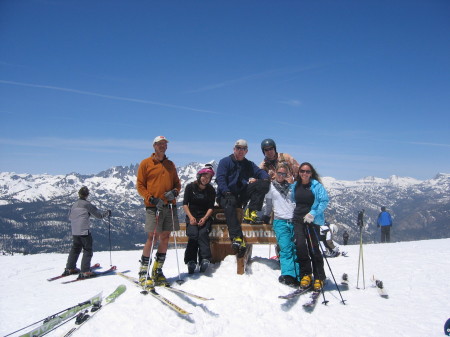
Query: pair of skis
[[54, 321], [161, 298], [310, 304], [95, 266]]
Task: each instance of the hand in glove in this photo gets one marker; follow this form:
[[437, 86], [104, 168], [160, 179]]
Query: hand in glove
[[107, 213], [171, 195], [308, 218], [158, 203]]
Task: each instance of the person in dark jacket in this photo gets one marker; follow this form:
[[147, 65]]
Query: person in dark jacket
[[385, 222], [240, 181], [198, 204], [81, 233], [345, 236]]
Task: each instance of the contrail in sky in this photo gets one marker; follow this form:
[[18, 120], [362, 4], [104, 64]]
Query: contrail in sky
[[135, 100]]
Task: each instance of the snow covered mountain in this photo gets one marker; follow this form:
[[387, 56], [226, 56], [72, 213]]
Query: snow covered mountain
[[33, 208]]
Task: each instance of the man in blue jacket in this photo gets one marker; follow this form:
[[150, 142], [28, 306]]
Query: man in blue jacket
[[385, 221], [240, 181]]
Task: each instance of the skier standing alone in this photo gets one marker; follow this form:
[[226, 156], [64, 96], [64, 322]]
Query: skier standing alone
[[385, 222], [81, 233]]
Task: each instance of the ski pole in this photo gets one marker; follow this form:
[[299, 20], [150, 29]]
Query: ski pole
[[361, 261], [180, 281], [153, 244], [110, 247], [329, 267]]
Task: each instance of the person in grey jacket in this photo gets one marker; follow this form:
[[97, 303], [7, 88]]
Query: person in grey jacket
[[81, 232]]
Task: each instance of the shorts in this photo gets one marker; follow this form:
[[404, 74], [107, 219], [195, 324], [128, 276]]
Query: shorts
[[164, 221]]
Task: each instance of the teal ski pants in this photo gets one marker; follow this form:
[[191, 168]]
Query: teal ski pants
[[284, 231]]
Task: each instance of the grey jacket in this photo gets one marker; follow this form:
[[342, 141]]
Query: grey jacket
[[79, 216]]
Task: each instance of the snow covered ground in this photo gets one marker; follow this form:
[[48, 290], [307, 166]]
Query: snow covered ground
[[415, 274]]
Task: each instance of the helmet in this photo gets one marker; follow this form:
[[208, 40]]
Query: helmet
[[267, 143], [207, 169], [83, 192]]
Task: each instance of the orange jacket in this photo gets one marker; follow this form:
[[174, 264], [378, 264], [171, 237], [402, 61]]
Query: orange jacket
[[154, 178]]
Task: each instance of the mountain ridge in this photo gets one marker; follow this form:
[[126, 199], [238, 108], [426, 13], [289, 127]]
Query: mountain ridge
[[33, 207]]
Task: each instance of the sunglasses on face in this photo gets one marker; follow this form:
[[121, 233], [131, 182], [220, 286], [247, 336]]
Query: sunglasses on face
[[282, 174], [305, 171], [267, 149], [241, 148]]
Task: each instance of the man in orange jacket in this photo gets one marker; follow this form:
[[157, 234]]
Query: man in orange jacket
[[159, 185]]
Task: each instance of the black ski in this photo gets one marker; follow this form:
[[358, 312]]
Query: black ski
[[312, 301], [97, 274], [95, 266], [298, 292]]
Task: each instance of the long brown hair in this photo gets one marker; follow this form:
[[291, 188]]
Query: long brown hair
[[314, 174]]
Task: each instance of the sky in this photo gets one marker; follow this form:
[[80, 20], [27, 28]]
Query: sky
[[357, 88]]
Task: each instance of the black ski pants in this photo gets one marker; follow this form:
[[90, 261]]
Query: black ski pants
[[198, 242], [81, 242], [253, 195], [385, 234], [308, 251]]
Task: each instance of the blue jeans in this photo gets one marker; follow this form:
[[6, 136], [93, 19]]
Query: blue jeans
[[284, 231]]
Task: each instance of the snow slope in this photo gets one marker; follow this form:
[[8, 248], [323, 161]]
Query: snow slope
[[416, 275]]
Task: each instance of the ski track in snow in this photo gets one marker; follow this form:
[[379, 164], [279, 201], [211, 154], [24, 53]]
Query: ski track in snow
[[415, 274]]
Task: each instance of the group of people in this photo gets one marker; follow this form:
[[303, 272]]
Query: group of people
[[295, 200]]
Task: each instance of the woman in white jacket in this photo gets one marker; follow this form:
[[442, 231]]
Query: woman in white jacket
[[281, 200]]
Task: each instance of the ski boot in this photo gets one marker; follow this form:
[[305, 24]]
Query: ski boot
[[68, 272], [191, 266], [305, 282], [204, 265], [288, 280], [318, 285], [87, 274], [238, 246], [157, 275], [251, 217], [144, 281]]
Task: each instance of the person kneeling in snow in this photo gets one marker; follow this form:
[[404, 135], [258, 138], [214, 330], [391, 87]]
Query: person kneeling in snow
[[327, 232]]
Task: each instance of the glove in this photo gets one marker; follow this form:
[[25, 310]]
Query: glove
[[107, 213], [308, 218], [171, 195], [158, 203]]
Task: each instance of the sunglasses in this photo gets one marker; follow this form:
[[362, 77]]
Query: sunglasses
[[267, 149], [241, 148], [305, 171], [282, 174]]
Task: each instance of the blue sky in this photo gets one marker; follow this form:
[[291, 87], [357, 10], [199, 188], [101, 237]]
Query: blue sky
[[358, 88]]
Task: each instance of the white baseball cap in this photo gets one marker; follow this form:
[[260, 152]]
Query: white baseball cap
[[159, 138], [241, 142]]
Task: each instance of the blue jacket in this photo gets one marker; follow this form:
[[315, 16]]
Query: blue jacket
[[232, 175], [320, 201], [384, 219]]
